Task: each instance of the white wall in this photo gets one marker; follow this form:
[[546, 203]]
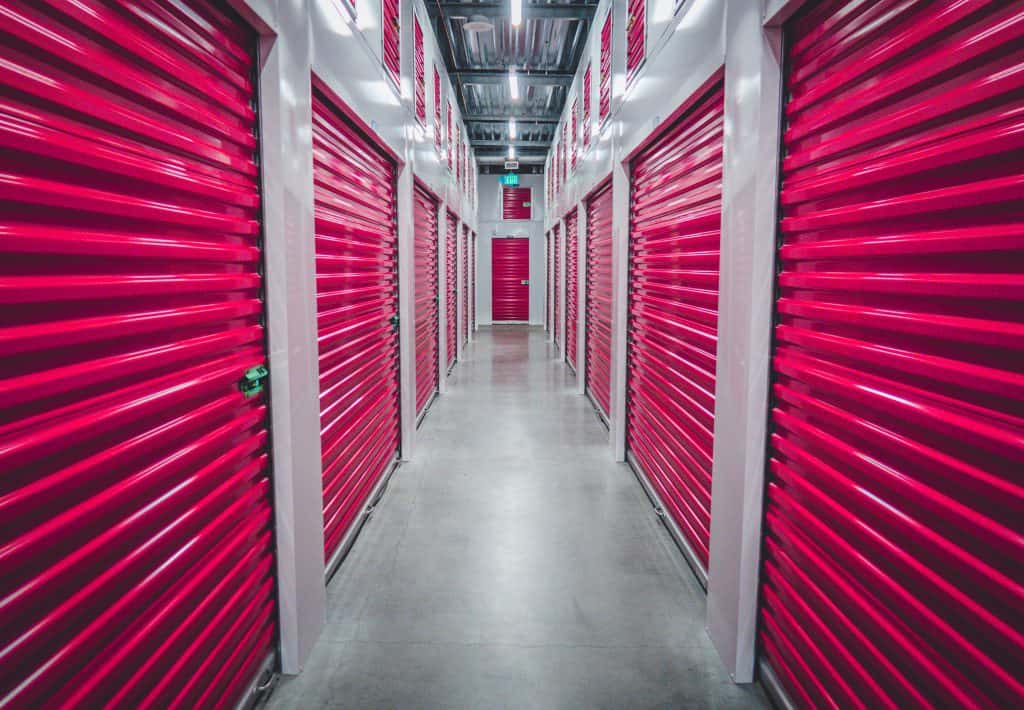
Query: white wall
[[491, 225]]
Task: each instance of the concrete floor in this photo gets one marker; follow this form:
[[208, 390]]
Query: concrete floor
[[511, 563]]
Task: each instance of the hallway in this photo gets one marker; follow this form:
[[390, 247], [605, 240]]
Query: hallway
[[513, 564]]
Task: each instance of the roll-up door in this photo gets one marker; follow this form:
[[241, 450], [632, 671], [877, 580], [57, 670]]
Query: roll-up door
[[465, 284], [599, 298], [357, 316], [392, 33], [438, 99], [587, 89], [893, 530], [451, 264], [516, 203], [426, 238], [636, 36], [604, 79], [556, 283], [510, 279], [420, 73], [673, 313], [571, 290], [548, 246], [136, 552]]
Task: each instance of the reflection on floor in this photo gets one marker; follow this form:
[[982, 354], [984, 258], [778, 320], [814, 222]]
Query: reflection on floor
[[511, 563]]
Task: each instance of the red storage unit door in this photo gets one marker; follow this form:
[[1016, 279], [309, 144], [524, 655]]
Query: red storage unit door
[[673, 312], [426, 247], [420, 76], [510, 268], [136, 552], [556, 280], [357, 310], [465, 284], [437, 109], [599, 298], [636, 36], [391, 30], [451, 263], [516, 203], [604, 81], [547, 276], [571, 291], [894, 549]]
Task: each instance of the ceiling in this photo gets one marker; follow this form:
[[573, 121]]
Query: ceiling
[[545, 50]]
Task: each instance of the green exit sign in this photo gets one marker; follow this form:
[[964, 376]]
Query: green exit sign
[[510, 179]]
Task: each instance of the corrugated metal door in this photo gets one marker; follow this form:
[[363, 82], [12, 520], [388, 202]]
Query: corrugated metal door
[[571, 292], [636, 36], [357, 314], [548, 246], [556, 282], [599, 298], [895, 500], [136, 552], [451, 264], [510, 279], [392, 33], [465, 284], [438, 103], [604, 81], [420, 73], [587, 88], [516, 203], [427, 298], [673, 314]]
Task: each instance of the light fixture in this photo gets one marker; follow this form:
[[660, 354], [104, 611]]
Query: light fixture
[[517, 12], [513, 84], [512, 128], [511, 152]]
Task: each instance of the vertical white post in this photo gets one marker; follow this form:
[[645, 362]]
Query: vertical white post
[[460, 282], [289, 253], [406, 310], [753, 90], [620, 305]]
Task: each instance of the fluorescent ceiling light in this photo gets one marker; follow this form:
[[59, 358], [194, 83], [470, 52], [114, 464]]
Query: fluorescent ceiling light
[[512, 128], [513, 84], [517, 12]]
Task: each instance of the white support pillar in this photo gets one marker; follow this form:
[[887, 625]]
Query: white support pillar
[[289, 253], [406, 310], [753, 95], [620, 306], [442, 298], [581, 298], [460, 281]]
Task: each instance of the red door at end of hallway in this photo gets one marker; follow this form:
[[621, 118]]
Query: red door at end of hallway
[[510, 279], [571, 291], [675, 220], [894, 505], [451, 288], [136, 553], [426, 256], [357, 312]]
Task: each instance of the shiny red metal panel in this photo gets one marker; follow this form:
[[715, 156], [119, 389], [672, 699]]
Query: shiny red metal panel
[[510, 268], [392, 32], [420, 72], [516, 202], [574, 132], [571, 283], [675, 219], [438, 103], [565, 150], [604, 86], [357, 310], [556, 278], [451, 265], [636, 36], [599, 298], [134, 483], [894, 528], [427, 295], [465, 284], [586, 105]]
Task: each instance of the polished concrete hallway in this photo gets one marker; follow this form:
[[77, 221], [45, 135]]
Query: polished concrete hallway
[[513, 564]]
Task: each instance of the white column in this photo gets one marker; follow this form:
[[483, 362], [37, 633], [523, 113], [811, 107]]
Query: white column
[[620, 304], [406, 310], [289, 254], [753, 90], [460, 281], [442, 298]]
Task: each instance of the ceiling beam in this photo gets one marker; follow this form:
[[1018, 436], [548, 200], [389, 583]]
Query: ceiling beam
[[573, 11], [500, 76], [516, 143], [494, 118]]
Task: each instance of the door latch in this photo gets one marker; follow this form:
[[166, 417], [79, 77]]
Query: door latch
[[524, 282], [253, 380], [394, 323]]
